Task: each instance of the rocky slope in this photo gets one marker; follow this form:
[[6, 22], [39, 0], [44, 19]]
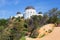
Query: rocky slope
[[54, 35]]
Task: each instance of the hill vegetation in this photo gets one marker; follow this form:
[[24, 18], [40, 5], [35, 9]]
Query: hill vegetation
[[18, 28]]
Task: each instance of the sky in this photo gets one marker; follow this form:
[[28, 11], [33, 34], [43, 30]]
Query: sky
[[11, 7]]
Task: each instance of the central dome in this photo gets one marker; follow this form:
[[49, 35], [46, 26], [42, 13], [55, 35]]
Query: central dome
[[29, 7]]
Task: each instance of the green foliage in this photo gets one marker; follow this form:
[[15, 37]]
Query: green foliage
[[3, 22], [49, 31], [34, 34], [23, 38], [42, 35], [1, 28], [16, 28], [13, 17], [54, 15]]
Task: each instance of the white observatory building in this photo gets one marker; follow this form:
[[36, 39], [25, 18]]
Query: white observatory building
[[29, 11], [18, 14]]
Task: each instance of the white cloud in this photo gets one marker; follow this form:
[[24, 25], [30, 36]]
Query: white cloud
[[8, 2]]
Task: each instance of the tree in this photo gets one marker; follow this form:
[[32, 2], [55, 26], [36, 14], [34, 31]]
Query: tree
[[53, 15], [33, 23], [3, 22]]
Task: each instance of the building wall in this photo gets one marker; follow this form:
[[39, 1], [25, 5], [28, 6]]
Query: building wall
[[29, 12], [19, 15]]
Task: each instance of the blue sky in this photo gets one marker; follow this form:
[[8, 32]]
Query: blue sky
[[10, 7]]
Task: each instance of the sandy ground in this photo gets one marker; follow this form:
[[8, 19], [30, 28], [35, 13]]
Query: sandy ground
[[55, 35]]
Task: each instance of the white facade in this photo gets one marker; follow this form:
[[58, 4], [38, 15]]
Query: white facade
[[19, 15], [39, 14], [29, 12]]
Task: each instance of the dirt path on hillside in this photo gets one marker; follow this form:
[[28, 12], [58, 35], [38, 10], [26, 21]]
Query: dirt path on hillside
[[55, 35]]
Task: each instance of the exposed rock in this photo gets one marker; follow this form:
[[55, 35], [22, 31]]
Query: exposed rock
[[46, 29]]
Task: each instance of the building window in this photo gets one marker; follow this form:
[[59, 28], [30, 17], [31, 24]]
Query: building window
[[31, 12]]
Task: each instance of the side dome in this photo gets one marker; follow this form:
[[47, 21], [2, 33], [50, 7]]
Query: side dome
[[29, 7], [18, 13]]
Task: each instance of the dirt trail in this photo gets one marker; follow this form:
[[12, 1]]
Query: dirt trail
[[54, 35]]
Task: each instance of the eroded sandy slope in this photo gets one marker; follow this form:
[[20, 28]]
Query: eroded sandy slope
[[55, 35]]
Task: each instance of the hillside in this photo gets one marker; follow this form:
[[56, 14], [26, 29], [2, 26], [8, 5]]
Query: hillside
[[55, 35]]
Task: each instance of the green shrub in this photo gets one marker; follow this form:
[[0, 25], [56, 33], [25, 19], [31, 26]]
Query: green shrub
[[49, 31], [22, 38], [34, 34], [42, 35]]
